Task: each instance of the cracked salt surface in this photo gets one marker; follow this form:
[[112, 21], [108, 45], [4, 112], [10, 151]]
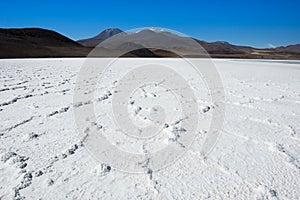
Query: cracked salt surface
[[42, 156]]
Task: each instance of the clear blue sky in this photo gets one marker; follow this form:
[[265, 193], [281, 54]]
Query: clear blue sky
[[259, 23]]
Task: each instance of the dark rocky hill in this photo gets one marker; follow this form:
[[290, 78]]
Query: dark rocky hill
[[36, 42]]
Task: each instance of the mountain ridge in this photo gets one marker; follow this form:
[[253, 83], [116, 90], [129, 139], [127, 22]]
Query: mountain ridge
[[38, 42], [94, 41], [289, 48]]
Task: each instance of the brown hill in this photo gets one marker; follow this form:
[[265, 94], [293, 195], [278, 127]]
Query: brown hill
[[36, 42]]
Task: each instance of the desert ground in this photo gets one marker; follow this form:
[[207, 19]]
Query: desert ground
[[257, 155]]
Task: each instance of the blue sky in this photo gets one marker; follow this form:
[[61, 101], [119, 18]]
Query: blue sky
[[257, 23]]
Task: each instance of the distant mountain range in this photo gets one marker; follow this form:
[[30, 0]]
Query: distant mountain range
[[36, 42]]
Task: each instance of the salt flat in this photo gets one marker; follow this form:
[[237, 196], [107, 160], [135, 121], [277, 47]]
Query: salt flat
[[257, 156]]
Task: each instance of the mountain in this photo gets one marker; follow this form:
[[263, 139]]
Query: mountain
[[162, 43], [224, 48], [180, 45], [290, 48], [37, 42], [94, 41], [164, 39]]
